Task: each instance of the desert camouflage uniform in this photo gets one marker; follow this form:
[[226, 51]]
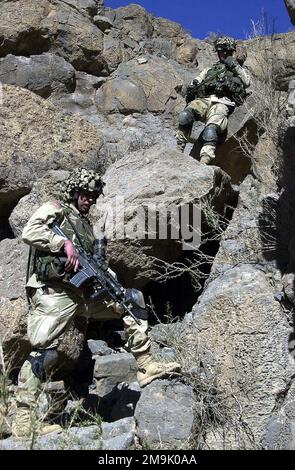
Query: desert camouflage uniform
[[55, 303], [211, 110], [54, 306]]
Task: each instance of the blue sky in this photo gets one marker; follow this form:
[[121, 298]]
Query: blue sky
[[231, 17]]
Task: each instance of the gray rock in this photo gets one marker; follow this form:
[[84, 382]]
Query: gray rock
[[75, 438], [165, 414], [43, 74], [159, 179], [51, 140], [13, 254], [158, 78], [123, 442], [242, 300], [113, 369], [99, 347], [249, 218], [119, 435], [13, 303], [13, 444], [124, 96], [169, 353], [116, 429]]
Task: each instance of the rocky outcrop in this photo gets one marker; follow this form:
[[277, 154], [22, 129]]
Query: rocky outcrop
[[140, 31], [158, 413], [121, 96], [55, 26], [112, 369], [272, 58], [143, 186], [108, 436], [43, 74], [242, 325], [157, 77]]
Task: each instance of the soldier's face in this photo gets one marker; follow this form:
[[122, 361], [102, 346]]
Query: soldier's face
[[223, 54], [85, 200]]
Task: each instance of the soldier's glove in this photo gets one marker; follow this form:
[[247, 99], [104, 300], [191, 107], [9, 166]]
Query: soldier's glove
[[230, 62], [191, 91]]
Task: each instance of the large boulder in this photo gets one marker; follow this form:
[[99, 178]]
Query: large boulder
[[108, 436], [142, 32], [242, 326], [21, 27], [123, 96], [165, 414], [112, 369], [88, 7], [43, 74], [156, 180], [42, 26], [36, 137], [272, 58], [158, 78], [134, 21]]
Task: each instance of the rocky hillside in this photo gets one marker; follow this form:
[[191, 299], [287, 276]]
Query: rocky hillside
[[87, 85]]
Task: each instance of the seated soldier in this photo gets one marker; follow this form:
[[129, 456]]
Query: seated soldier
[[211, 97], [55, 302]]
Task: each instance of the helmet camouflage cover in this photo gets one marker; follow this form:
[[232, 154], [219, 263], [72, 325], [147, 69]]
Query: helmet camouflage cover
[[225, 43], [81, 178]]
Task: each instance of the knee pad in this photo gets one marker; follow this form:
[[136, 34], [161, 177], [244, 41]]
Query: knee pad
[[43, 365], [135, 299], [210, 134], [186, 117]]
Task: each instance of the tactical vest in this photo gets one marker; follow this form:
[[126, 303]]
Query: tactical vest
[[222, 82], [49, 267]]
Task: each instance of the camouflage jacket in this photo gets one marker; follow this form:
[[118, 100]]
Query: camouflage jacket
[[46, 244], [241, 72]]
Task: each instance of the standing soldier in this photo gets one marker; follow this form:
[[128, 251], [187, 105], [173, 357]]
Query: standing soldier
[[211, 97], [55, 302]]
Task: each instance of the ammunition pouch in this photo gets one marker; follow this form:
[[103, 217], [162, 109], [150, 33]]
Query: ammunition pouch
[[222, 82], [49, 267]]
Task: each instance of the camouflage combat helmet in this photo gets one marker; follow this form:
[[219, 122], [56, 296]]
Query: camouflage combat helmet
[[225, 43], [81, 178]]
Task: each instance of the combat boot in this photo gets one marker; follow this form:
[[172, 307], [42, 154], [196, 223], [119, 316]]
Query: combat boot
[[149, 369], [25, 424]]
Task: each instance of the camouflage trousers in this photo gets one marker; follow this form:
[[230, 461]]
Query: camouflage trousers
[[53, 312], [209, 113]]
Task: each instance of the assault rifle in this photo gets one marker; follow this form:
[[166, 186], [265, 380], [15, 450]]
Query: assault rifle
[[93, 270]]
